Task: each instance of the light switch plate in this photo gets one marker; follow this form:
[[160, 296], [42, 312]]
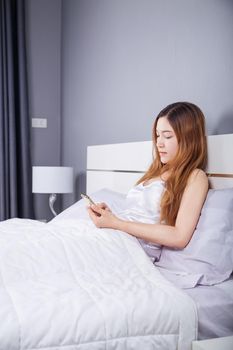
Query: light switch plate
[[39, 122]]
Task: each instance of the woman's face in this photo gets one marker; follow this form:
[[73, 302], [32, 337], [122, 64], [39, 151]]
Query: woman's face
[[167, 143]]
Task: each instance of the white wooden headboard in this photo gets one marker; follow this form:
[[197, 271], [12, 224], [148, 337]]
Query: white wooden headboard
[[119, 166]]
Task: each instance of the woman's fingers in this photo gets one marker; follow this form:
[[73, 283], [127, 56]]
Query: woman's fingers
[[96, 208], [101, 217], [94, 211], [103, 206]]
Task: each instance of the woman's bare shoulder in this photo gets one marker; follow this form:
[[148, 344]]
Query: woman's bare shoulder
[[198, 175]]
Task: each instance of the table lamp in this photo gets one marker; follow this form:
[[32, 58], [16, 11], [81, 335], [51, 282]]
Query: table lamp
[[53, 180]]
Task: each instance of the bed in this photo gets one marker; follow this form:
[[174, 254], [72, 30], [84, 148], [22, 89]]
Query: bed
[[68, 285]]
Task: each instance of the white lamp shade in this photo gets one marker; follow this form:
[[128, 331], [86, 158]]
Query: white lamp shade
[[52, 179]]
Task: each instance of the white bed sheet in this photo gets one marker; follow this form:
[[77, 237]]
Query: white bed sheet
[[214, 308], [214, 304]]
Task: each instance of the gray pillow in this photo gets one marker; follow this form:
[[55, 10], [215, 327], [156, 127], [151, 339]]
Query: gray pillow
[[208, 258]]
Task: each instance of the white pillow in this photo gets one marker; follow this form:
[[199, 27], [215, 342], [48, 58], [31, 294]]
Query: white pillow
[[115, 200]]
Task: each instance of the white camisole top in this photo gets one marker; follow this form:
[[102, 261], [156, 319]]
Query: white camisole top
[[143, 205]]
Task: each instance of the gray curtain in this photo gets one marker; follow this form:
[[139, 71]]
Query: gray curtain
[[15, 161]]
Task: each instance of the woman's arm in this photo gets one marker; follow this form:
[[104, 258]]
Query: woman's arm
[[176, 236]]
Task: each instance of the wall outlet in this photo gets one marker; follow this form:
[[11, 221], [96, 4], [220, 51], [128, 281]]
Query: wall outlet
[[39, 122]]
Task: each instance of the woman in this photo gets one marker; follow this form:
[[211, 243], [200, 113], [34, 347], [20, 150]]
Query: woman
[[165, 205]]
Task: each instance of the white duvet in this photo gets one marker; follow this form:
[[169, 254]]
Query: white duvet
[[68, 285]]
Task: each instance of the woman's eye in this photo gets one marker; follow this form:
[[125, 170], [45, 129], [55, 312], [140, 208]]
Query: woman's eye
[[168, 137]]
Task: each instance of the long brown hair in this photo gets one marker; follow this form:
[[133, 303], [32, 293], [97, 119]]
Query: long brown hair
[[188, 123]]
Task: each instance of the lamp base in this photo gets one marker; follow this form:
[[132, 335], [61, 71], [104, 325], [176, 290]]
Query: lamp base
[[52, 199]]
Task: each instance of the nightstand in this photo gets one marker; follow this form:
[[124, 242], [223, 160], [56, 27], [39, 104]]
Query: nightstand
[[224, 343]]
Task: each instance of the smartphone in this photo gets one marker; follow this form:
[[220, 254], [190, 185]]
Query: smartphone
[[87, 199]]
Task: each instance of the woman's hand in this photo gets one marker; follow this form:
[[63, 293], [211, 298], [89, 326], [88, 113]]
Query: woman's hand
[[103, 206], [102, 216]]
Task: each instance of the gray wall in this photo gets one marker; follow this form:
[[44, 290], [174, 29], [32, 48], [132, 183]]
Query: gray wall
[[44, 71], [123, 60], [100, 71]]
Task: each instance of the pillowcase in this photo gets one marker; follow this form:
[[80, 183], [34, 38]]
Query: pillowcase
[[208, 258], [115, 200]]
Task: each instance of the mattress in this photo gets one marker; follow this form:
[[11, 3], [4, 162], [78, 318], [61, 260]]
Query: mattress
[[214, 308]]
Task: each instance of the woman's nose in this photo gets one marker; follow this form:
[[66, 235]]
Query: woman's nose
[[160, 142]]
